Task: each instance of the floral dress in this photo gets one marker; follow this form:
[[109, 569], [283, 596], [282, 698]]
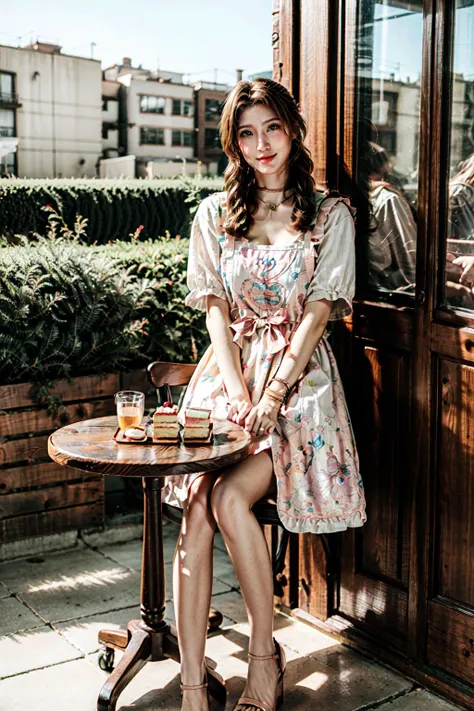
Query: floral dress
[[319, 488]]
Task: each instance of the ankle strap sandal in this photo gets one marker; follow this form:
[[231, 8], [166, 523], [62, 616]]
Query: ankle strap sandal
[[279, 656], [195, 687]]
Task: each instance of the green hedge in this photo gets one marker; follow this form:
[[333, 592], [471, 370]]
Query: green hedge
[[67, 309], [114, 209]]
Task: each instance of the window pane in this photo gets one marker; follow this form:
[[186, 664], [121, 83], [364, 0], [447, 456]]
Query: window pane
[[7, 165], [212, 109], [152, 104], [7, 122], [176, 138], [211, 138], [389, 59], [459, 293], [176, 107], [187, 138], [6, 84], [187, 108]]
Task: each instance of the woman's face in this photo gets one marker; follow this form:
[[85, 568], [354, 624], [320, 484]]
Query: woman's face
[[263, 141]]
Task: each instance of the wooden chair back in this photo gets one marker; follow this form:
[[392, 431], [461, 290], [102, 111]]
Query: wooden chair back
[[162, 373]]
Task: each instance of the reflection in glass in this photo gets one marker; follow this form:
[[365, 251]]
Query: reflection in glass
[[459, 292], [389, 70]]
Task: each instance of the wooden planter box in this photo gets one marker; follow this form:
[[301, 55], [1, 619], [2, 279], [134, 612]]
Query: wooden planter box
[[37, 496]]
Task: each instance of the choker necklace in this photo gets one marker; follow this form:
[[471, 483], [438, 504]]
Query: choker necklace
[[270, 190]]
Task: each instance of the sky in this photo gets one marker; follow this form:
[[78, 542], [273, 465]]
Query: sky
[[189, 36]]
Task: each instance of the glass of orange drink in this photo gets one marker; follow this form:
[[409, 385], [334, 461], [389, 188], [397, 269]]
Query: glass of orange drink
[[130, 408]]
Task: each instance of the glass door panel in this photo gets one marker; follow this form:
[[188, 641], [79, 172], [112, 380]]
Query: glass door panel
[[389, 56], [459, 277]]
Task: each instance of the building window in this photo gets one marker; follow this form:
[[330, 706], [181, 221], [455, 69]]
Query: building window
[[182, 108], [182, 138], [7, 88], [152, 136], [152, 104], [7, 122], [213, 109], [8, 165], [211, 138]]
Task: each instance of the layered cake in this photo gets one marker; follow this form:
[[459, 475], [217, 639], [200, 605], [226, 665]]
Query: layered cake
[[165, 424], [197, 425]]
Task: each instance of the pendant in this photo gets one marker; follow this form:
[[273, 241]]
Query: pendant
[[272, 206]]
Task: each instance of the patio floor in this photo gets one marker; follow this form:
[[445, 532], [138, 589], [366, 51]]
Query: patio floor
[[52, 606]]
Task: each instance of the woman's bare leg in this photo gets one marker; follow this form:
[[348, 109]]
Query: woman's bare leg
[[192, 587], [233, 495]]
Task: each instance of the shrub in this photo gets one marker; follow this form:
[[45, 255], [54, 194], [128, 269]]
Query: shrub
[[112, 209], [67, 309]]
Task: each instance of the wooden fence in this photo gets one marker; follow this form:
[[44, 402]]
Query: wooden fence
[[37, 496]]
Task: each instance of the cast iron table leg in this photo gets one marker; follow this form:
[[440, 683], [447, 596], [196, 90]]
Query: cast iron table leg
[[148, 639]]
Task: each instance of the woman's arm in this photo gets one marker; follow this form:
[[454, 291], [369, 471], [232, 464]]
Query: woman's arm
[[302, 346], [227, 355]]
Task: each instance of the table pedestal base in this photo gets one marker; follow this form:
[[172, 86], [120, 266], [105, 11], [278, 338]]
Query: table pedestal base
[[150, 639]]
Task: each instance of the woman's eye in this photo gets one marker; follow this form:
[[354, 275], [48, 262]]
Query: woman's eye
[[273, 127], [245, 134]]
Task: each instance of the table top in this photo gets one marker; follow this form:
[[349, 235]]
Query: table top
[[90, 445]]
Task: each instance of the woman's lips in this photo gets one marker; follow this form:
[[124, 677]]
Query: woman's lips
[[266, 159]]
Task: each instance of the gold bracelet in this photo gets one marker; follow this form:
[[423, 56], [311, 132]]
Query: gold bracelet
[[273, 396], [283, 382]]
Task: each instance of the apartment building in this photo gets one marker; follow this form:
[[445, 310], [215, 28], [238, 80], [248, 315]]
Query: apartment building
[[157, 109], [209, 99], [113, 121], [50, 112]]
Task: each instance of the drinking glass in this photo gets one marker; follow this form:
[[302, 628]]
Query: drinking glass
[[130, 408]]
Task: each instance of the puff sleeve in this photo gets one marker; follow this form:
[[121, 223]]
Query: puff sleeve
[[204, 274], [334, 274]]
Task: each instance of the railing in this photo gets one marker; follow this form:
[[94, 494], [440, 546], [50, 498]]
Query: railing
[[8, 98], [7, 131]]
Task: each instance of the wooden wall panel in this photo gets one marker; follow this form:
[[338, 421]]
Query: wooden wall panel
[[314, 81], [451, 641], [381, 425], [374, 567], [455, 486]]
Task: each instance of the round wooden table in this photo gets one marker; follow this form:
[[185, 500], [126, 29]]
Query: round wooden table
[[90, 446]]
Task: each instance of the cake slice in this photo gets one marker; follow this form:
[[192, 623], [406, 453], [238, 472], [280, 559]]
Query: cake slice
[[165, 424], [197, 425]]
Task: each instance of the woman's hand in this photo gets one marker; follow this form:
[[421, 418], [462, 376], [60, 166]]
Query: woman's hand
[[240, 406], [262, 418]]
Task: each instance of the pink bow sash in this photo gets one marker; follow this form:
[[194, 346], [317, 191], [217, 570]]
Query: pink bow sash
[[275, 329]]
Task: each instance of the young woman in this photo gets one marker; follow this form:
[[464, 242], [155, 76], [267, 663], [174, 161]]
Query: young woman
[[271, 261]]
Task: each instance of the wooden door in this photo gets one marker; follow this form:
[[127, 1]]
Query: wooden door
[[386, 87], [443, 542]]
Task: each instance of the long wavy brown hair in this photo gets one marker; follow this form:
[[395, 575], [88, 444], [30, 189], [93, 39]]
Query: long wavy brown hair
[[240, 179]]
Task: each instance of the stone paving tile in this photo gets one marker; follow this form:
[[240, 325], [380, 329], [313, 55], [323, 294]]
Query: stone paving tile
[[83, 633], [16, 617], [418, 700], [85, 593], [34, 649], [4, 591], [156, 686], [73, 686], [231, 605], [345, 681], [223, 569], [52, 569]]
